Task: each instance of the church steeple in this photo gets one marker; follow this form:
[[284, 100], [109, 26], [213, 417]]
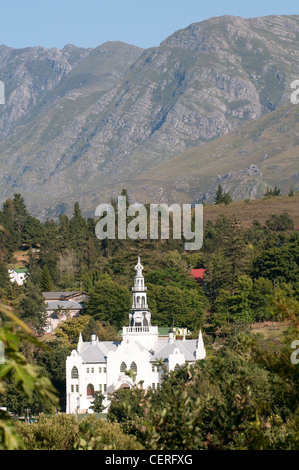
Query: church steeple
[[200, 352], [139, 314], [138, 268]]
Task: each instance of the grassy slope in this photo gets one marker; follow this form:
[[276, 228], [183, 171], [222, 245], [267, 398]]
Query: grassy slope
[[258, 209]]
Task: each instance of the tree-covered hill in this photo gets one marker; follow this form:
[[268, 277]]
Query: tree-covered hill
[[242, 396]]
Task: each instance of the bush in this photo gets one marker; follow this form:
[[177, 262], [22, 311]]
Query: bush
[[65, 432]]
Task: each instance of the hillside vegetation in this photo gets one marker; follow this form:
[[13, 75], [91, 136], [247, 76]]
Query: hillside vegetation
[[242, 396]]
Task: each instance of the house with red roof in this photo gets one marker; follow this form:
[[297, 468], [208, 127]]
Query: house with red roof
[[198, 274]]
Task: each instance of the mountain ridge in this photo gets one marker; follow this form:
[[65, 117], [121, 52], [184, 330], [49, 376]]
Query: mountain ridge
[[122, 111]]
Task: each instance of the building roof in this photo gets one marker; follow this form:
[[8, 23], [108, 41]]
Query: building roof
[[20, 270], [61, 295], [64, 305], [198, 274], [97, 351], [163, 349]]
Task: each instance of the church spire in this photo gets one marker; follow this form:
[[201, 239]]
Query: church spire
[[139, 268], [200, 352], [139, 314]]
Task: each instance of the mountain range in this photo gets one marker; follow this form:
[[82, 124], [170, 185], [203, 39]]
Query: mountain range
[[210, 105]]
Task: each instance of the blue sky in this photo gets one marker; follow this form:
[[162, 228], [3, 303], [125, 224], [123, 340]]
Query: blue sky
[[89, 23]]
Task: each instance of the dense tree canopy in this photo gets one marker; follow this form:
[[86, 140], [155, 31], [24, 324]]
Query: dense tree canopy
[[243, 396]]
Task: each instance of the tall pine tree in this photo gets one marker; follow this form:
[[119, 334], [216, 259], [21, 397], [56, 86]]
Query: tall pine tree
[[46, 281]]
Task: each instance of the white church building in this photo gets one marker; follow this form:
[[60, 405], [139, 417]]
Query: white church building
[[104, 365]]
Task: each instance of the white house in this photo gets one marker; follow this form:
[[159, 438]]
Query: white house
[[61, 306], [18, 275], [101, 365]]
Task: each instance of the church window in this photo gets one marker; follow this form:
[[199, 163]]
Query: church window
[[90, 390], [176, 367], [123, 367], [92, 370], [74, 373], [72, 388], [100, 387], [104, 370], [133, 367], [87, 370], [105, 388], [100, 370], [77, 388]]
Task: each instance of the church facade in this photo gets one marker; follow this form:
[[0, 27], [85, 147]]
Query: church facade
[[103, 365]]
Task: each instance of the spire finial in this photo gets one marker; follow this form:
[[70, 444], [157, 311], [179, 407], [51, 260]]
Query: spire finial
[[138, 267], [80, 341]]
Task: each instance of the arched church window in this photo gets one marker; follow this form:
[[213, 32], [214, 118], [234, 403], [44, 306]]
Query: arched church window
[[176, 367], [142, 300], [123, 367], [90, 390], [74, 373], [133, 367]]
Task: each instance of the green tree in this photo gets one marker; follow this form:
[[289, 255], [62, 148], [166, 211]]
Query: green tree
[[125, 408], [291, 191], [103, 330], [262, 299], [240, 302], [234, 251], [109, 302], [280, 223], [272, 192], [64, 432], [241, 398], [32, 308], [52, 360], [4, 277], [33, 231], [280, 262], [46, 281], [27, 377], [69, 331], [20, 213], [219, 195], [78, 228], [181, 307], [97, 404], [222, 197]]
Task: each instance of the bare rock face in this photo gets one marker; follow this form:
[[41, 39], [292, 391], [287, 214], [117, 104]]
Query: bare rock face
[[77, 120]]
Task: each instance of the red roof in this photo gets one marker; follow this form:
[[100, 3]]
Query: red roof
[[198, 274]]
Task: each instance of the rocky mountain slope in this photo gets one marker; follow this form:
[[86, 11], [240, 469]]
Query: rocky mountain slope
[[80, 123], [259, 154]]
